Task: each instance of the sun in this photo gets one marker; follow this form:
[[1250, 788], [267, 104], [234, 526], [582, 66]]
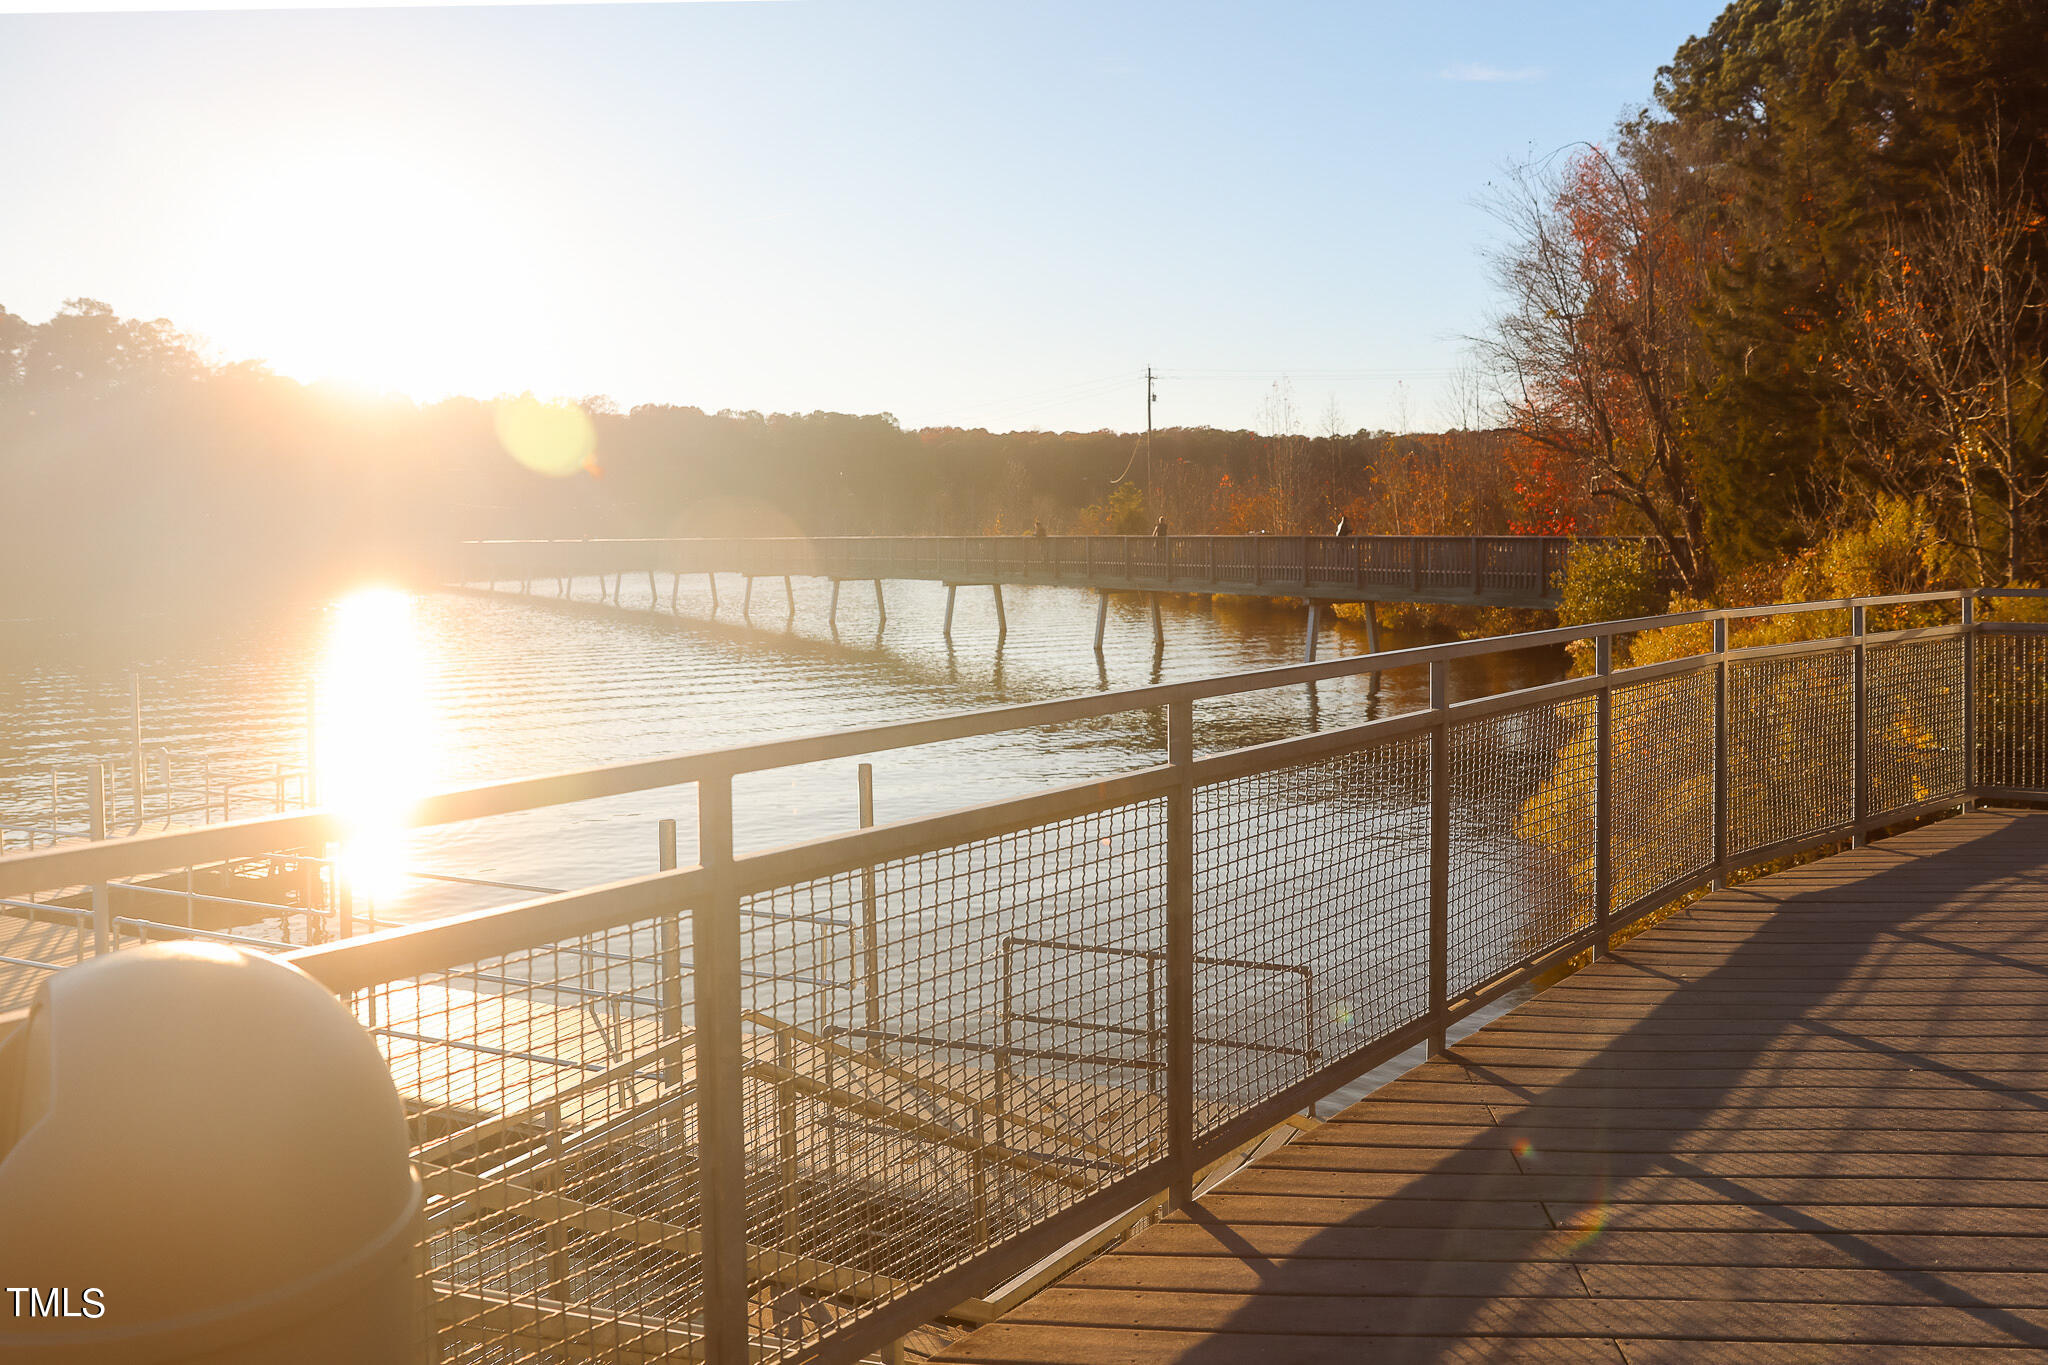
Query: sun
[[367, 267]]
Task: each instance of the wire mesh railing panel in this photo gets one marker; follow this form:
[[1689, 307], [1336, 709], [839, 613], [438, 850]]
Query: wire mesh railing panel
[[2012, 711], [944, 1051], [550, 1098], [1311, 919], [1662, 797], [1520, 848], [1915, 733], [1791, 747]]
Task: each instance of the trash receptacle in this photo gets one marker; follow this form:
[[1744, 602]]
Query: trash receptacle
[[203, 1159]]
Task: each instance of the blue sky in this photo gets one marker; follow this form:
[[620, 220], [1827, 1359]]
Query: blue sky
[[958, 213]]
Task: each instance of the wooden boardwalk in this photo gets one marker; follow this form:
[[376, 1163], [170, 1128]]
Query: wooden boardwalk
[[1804, 1120]]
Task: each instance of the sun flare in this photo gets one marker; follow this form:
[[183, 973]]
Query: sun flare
[[373, 733]]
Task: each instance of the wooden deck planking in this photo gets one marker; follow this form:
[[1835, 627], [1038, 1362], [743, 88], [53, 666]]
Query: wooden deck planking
[[1805, 1120]]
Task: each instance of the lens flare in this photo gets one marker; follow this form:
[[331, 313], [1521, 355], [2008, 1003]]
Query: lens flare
[[1583, 1228], [555, 439], [372, 733]]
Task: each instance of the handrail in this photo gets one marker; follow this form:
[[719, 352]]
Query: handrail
[[136, 854], [1764, 750]]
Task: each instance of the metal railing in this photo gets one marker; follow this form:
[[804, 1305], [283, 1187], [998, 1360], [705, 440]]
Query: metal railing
[[792, 1104], [1523, 570], [151, 787]]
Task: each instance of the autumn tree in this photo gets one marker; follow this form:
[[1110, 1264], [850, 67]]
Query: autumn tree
[[1595, 352], [1945, 359], [1825, 129]]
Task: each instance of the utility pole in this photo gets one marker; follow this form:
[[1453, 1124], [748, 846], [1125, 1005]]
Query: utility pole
[[1150, 399]]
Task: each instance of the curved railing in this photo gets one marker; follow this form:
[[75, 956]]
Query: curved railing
[[802, 1100]]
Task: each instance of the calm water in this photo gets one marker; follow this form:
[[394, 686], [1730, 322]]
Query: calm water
[[454, 687]]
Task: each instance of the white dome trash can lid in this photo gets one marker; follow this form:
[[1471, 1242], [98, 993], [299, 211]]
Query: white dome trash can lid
[[206, 1139]]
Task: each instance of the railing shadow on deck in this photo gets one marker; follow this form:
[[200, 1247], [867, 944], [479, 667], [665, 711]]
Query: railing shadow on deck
[[1461, 1272], [795, 1103]]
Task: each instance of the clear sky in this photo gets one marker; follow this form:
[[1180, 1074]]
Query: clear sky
[[973, 214]]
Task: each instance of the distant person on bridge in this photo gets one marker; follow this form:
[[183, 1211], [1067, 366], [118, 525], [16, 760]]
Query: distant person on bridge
[[1038, 528], [1344, 526], [1159, 527]]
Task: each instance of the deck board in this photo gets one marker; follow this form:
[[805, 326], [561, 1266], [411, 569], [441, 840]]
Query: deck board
[[1806, 1119]]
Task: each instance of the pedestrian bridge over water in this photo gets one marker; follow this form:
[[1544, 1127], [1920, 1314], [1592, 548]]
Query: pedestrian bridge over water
[[1512, 571], [852, 1097], [1495, 571]]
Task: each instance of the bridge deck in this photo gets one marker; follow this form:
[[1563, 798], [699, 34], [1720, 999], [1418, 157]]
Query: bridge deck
[[1806, 1119]]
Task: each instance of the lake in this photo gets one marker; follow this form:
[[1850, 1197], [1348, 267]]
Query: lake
[[413, 692]]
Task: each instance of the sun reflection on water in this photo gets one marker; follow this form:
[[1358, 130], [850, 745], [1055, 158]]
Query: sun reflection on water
[[373, 736]]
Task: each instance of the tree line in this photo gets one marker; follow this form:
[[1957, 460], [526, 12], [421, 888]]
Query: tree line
[[1801, 298], [1790, 322], [140, 473]]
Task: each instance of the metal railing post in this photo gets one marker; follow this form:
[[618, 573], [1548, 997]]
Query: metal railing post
[[1720, 752], [1859, 762], [1969, 700], [96, 829], [1603, 793], [669, 992], [1439, 855], [870, 929], [721, 1094], [135, 742], [1180, 952]]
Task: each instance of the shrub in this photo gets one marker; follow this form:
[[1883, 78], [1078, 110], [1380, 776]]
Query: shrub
[[1610, 582]]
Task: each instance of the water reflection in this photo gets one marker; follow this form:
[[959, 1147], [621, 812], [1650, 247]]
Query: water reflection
[[374, 738], [444, 688]]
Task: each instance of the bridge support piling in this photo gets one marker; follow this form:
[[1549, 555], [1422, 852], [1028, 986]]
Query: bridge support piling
[[747, 599], [1308, 639], [951, 589], [832, 616], [881, 607], [1372, 644], [653, 592], [1158, 627], [712, 578], [675, 586], [1101, 616], [789, 593], [1002, 621]]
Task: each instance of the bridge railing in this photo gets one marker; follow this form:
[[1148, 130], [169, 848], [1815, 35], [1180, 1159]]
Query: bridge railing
[[1521, 568], [797, 1102]]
